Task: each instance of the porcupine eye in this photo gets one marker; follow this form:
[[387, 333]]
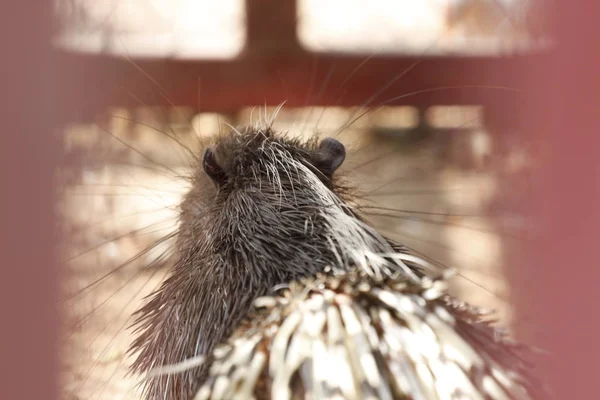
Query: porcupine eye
[[212, 167], [329, 156]]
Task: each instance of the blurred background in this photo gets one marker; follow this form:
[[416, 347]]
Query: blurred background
[[427, 96]]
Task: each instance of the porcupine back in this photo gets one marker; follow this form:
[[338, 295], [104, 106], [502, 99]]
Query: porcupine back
[[266, 210]]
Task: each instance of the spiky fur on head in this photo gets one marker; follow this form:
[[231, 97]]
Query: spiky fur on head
[[275, 215]]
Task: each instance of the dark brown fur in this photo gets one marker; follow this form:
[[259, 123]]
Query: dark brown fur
[[263, 210], [246, 212]]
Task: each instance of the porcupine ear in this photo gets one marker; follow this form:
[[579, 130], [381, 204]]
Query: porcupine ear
[[330, 155], [212, 168]]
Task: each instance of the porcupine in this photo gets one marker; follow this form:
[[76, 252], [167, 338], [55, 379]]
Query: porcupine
[[358, 316]]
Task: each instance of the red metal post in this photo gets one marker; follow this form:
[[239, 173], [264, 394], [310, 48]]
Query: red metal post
[[28, 155], [271, 28], [557, 278]]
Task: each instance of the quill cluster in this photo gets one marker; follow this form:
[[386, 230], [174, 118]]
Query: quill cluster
[[360, 318]]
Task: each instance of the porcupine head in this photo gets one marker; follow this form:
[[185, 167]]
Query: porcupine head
[[262, 210]]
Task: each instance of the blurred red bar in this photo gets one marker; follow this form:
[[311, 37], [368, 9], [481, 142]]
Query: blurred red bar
[[274, 68], [28, 155], [300, 79], [557, 279]]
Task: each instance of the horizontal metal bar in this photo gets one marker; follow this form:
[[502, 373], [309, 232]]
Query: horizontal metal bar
[[300, 80]]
